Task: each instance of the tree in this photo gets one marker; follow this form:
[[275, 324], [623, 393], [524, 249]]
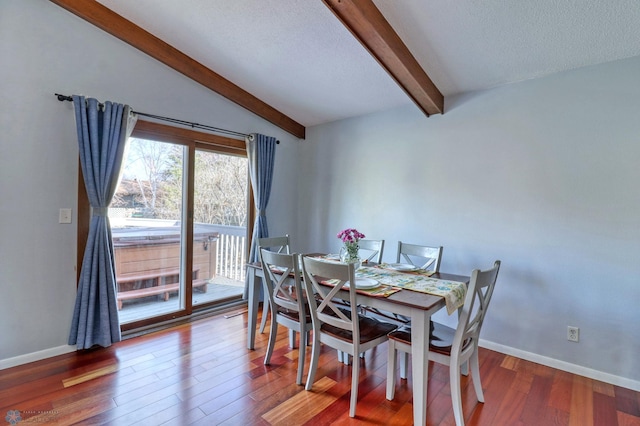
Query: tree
[[150, 164], [220, 189], [154, 179]]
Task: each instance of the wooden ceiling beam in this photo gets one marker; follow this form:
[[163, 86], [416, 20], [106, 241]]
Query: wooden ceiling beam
[[114, 24], [369, 26]]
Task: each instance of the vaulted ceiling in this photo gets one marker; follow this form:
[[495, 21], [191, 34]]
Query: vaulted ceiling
[[299, 58]]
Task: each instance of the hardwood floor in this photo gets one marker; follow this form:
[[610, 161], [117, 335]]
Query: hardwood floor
[[201, 373]]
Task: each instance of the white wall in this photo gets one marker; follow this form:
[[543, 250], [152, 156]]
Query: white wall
[[542, 175], [46, 50]]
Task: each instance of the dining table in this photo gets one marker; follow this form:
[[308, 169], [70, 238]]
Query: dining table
[[415, 294]]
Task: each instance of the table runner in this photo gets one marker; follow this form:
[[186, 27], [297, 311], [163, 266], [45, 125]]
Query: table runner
[[453, 292]]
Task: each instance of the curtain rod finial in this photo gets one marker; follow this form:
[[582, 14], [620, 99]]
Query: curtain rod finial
[[63, 98]]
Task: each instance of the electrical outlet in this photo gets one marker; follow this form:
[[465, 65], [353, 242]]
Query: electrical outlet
[[573, 334], [64, 216]]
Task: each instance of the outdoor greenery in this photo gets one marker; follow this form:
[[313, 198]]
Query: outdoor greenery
[[152, 180]]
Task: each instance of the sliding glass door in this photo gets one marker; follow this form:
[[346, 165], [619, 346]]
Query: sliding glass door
[[146, 217], [220, 226], [179, 223]]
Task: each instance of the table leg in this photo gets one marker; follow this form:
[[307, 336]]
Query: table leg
[[252, 308], [420, 364]]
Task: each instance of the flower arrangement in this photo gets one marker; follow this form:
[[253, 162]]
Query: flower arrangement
[[350, 238]]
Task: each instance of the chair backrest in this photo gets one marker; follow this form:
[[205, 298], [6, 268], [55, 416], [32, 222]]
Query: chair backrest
[[475, 307], [277, 244], [371, 249], [327, 310], [283, 284], [424, 257]]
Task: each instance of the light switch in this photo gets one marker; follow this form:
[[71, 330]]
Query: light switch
[[65, 216]]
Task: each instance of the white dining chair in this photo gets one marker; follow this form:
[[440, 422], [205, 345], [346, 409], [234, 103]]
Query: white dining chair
[[452, 347], [287, 301], [371, 250], [346, 331], [424, 257], [278, 244]]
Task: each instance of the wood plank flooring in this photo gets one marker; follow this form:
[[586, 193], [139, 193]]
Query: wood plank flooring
[[201, 373]]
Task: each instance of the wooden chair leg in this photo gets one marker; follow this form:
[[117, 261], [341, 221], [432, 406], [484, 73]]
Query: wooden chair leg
[[464, 368], [355, 378], [344, 358], [404, 363], [475, 375], [301, 356], [391, 370], [265, 311], [313, 365], [456, 396], [272, 341], [292, 338]]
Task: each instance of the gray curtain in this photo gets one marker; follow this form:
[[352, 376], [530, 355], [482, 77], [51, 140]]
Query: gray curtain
[[261, 152], [103, 131]]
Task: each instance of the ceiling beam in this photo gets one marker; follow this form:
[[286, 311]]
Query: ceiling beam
[[369, 26], [114, 24]]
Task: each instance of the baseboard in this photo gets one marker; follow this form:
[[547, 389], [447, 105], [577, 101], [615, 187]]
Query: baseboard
[[35, 356], [562, 365]]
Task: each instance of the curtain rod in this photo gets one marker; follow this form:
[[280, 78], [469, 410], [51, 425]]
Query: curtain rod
[[63, 98]]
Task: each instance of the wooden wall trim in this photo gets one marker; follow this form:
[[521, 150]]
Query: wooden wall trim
[[84, 220], [114, 24], [369, 26], [161, 132]]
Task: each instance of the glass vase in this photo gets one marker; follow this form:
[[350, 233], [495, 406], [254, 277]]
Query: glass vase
[[349, 254]]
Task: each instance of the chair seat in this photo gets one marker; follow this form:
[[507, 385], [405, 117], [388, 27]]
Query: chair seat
[[440, 338], [293, 315], [370, 329], [387, 316], [402, 335]]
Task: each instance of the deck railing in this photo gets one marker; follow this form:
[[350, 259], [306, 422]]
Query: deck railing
[[231, 251], [231, 256]]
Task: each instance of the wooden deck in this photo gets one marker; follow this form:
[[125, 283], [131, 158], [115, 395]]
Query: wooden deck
[[218, 290]]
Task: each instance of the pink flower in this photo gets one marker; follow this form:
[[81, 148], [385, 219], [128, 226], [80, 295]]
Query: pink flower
[[350, 235]]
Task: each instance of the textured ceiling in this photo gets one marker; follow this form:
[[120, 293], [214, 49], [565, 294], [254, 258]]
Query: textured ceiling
[[297, 57]]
